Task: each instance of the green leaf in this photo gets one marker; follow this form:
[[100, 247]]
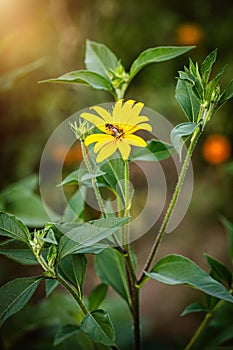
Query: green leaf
[[97, 295], [18, 251], [32, 212], [98, 327], [92, 79], [114, 176], [176, 269], [227, 94], [75, 207], [65, 332], [15, 294], [12, 227], [71, 179], [219, 271], [187, 100], [88, 235], [154, 151], [157, 54], [73, 269], [180, 131], [99, 58], [207, 65], [229, 228], [195, 307], [50, 285], [110, 267]]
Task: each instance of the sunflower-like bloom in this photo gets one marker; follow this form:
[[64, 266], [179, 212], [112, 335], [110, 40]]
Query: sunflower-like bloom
[[117, 129]]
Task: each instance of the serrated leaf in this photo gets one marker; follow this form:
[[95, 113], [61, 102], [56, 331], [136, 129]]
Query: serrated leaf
[[187, 100], [92, 79], [176, 269], [111, 269], [73, 269], [219, 271], [50, 285], [65, 332], [195, 307], [98, 327], [99, 58], [156, 54], [229, 228], [97, 295], [12, 227], [88, 235], [18, 251], [154, 151], [180, 131], [207, 65], [15, 294]]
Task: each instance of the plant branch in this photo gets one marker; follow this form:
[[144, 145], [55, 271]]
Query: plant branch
[[73, 293], [172, 204]]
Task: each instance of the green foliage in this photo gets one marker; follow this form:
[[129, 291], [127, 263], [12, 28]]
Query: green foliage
[[105, 71], [218, 271], [12, 227], [15, 294], [32, 213], [73, 269], [157, 54], [18, 251], [176, 269], [97, 295], [179, 132], [195, 307], [155, 150], [98, 326], [110, 267], [59, 247], [87, 236], [65, 332]]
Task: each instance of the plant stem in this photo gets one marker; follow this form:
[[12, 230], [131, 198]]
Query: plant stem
[[94, 182], [74, 294], [172, 204], [203, 325], [132, 278]]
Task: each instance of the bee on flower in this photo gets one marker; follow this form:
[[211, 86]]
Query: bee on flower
[[117, 129]]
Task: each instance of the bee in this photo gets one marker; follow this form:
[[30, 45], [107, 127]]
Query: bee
[[114, 129]]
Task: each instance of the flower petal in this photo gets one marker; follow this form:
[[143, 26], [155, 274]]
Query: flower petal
[[106, 151], [97, 137], [142, 126], [101, 144], [92, 118], [124, 149], [135, 140], [104, 114], [117, 111]]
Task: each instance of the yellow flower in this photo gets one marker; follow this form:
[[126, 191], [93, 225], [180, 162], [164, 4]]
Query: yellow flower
[[117, 129]]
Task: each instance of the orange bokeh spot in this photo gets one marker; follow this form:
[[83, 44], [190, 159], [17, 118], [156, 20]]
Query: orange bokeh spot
[[67, 156], [189, 34], [216, 149]]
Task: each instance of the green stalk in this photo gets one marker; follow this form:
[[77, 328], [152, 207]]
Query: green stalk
[[74, 294], [132, 278], [203, 325], [172, 204], [94, 182]]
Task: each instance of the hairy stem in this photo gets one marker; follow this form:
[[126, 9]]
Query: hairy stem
[[172, 204]]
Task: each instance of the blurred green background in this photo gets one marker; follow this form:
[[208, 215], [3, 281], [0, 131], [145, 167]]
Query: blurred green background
[[45, 39]]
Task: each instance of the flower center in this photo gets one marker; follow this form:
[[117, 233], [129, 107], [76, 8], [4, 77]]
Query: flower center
[[114, 130]]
